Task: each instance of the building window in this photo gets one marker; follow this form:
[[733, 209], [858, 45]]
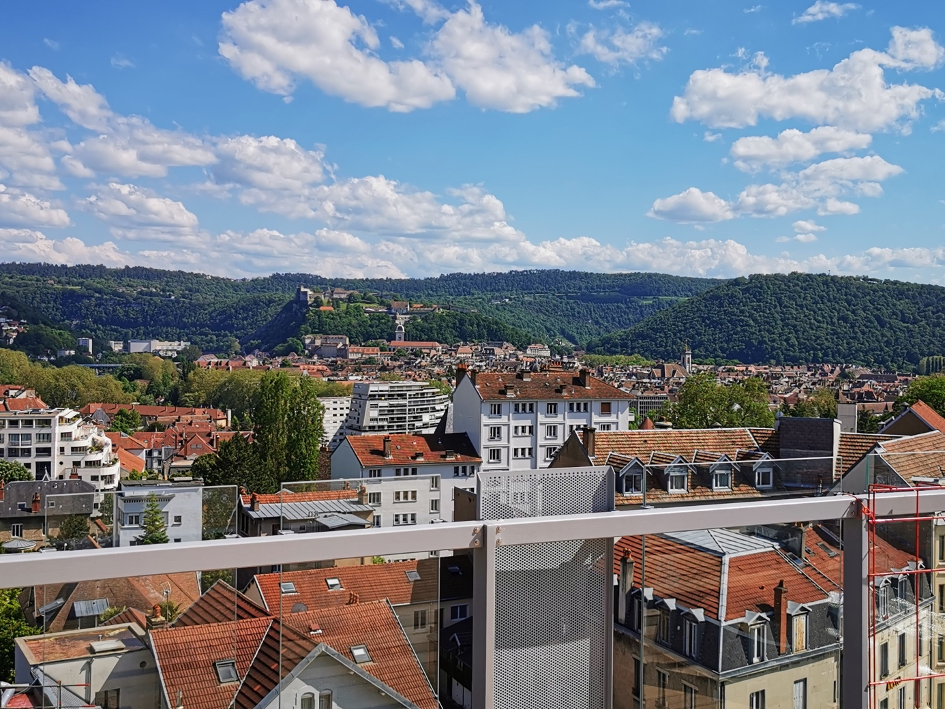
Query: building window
[[941, 598], [495, 433], [405, 519], [524, 430], [435, 505], [902, 696], [524, 408], [495, 455], [226, 672], [577, 406], [435, 483], [763, 478], [307, 701], [882, 600], [178, 520], [550, 452], [902, 649], [689, 696], [637, 676], [662, 682], [324, 700], [551, 408], [374, 498], [108, 698], [605, 408], [604, 427], [524, 452], [884, 660], [677, 482], [377, 521], [551, 431], [722, 479], [405, 496], [633, 483], [691, 638], [757, 699], [374, 473], [495, 409], [420, 620], [799, 637], [662, 629], [757, 636], [16, 530], [133, 520], [800, 693], [413, 471], [458, 612]]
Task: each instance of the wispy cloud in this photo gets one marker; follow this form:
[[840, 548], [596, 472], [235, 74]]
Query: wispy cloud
[[606, 4], [821, 10], [121, 62], [51, 43], [753, 8]]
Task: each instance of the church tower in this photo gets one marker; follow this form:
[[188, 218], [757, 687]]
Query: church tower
[[686, 359], [399, 334]]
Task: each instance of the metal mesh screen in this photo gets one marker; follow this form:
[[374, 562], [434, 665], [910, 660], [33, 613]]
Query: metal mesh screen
[[553, 628]]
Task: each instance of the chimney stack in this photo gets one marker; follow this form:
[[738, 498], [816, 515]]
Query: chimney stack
[[780, 616], [590, 441], [353, 598], [585, 376], [460, 373], [156, 620], [362, 494], [34, 506], [387, 451], [625, 584], [254, 502]]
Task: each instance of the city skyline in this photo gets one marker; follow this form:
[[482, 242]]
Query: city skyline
[[411, 138]]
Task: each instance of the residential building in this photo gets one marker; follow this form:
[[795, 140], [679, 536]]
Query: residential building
[[395, 408], [456, 659], [158, 347], [538, 350], [32, 512], [518, 421], [85, 345], [646, 402], [181, 505], [60, 607], [333, 422], [59, 444], [918, 418], [106, 667], [426, 595], [409, 478], [102, 412]]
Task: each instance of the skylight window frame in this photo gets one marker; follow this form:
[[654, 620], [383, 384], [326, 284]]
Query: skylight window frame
[[227, 664], [361, 654], [334, 584], [287, 588]]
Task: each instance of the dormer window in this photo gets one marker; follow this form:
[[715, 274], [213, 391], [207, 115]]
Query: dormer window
[[757, 635], [764, 478], [633, 482], [722, 479], [799, 632], [691, 638], [677, 481], [882, 600]]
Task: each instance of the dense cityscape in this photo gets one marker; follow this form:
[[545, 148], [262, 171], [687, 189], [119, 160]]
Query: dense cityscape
[[413, 353]]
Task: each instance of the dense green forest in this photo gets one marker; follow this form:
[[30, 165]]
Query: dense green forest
[[796, 318], [215, 312]]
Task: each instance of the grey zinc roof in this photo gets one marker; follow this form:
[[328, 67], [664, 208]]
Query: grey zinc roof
[[91, 607], [339, 520], [306, 510], [68, 499], [722, 542]]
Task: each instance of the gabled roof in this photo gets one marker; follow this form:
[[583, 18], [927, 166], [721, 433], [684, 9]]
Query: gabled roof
[[406, 447], [678, 442], [923, 412], [220, 603], [922, 455]]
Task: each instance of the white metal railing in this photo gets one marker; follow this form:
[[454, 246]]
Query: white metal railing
[[484, 537]]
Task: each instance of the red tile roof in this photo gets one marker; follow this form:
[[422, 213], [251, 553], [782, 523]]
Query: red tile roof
[[303, 497], [405, 447], [920, 455], [928, 415], [543, 385], [220, 603]]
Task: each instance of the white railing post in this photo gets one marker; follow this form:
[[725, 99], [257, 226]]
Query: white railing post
[[484, 618], [854, 665]]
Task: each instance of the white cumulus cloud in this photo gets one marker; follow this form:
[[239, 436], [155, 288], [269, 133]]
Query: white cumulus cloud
[[622, 46], [752, 153], [23, 209], [133, 212], [692, 206], [821, 10]]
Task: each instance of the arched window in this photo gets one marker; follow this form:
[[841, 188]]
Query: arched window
[[308, 701]]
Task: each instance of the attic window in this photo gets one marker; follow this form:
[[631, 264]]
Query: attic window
[[334, 584], [413, 575], [287, 588], [763, 478], [677, 481], [226, 671], [360, 654]]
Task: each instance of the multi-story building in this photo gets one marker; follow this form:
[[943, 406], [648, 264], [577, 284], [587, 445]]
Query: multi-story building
[[333, 422], [34, 511], [158, 347], [519, 420], [181, 505], [395, 408], [59, 444], [409, 477]]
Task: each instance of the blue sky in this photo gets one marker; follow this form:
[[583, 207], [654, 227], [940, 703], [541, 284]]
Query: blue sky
[[409, 137]]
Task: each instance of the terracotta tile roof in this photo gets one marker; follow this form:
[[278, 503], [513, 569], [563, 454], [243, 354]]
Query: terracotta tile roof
[[279, 652], [186, 658], [928, 415], [375, 625], [146, 410], [768, 440], [853, 447], [752, 579], [128, 616], [543, 385], [920, 455], [123, 441], [404, 447], [19, 404], [128, 461], [368, 582], [304, 497], [220, 603], [678, 442]]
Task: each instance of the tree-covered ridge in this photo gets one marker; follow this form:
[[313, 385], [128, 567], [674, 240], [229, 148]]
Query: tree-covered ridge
[[796, 318], [138, 302]]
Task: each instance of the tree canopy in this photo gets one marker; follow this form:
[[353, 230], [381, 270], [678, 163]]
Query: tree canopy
[[703, 403]]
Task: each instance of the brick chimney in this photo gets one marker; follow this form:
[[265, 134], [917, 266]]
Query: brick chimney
[[585, 376], [254, 502], [156, 620], [387, 451], [647, 424], [34, 506], [461, 373], [362, 495], [590, 441], [779, 622], [353, 598]]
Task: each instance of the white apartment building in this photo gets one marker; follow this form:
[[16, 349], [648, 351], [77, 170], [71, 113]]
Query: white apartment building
[[395, 408], [181, 505], [333, 422], [518, 421], [409, 477], [158, 347], [60, 444]]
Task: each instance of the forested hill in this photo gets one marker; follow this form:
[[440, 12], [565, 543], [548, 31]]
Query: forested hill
[[796, 318], [213, 312]]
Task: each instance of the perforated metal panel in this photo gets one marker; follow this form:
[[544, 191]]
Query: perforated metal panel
[[553, 625]]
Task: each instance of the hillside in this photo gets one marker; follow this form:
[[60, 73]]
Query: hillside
[[137, 302], [796, 318]]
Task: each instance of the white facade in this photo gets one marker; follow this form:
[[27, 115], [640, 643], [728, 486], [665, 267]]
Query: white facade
[[58, 443], [395, 407], [162, 347], [181, 506], [414, 494], [333, 423], [517, 433]]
